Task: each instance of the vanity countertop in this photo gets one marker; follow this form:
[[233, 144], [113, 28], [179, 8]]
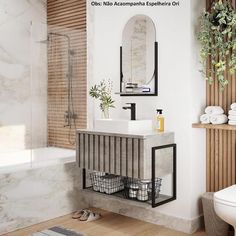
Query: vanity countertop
[[142, 135]]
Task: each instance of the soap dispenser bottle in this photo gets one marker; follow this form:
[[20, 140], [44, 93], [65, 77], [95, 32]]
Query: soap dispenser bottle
[[160, 121]]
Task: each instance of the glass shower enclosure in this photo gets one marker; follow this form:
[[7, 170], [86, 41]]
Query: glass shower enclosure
[[42, 97]]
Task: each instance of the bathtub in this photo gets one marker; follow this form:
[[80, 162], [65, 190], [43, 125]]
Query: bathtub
[[38, 185], [33, 158]]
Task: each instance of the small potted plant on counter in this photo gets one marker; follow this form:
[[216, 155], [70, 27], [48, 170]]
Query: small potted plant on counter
[[102, 92]]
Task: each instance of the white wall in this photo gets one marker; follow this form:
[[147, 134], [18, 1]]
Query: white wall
[[198, 98], [181, 88]]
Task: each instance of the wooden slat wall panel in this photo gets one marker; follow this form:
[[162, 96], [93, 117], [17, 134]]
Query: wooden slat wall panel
[[221, 144], [66, 17]]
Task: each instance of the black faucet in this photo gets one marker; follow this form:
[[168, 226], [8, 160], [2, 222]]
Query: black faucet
[[132, 107]]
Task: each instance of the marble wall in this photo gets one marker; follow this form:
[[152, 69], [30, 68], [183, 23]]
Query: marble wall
[[31, 196], [23, 74]]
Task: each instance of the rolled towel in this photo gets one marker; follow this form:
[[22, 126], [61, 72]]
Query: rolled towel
[[231, 117], [233, 113], [219, 119], [205, 119], [214, 110], [233, 106], [232, 122]]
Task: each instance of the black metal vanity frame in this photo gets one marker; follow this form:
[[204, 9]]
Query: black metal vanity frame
[[153, 157], [155, 75], [174, 177]]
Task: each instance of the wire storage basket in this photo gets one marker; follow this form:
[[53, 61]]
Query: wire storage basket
[[106, 183], [130, 188], [141, 190]]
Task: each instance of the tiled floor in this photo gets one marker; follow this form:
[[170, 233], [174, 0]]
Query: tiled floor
[[110, 225]]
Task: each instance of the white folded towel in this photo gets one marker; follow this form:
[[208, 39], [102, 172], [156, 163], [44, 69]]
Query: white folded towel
[[214, 110], [233, 106], [232, 122], [205, 119], [218, 119], [233, 113], [231, 117]]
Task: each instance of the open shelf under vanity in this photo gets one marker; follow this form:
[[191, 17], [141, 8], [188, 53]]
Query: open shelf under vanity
[[119, 195]]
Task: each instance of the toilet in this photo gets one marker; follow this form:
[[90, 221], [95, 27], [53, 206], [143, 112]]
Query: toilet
[[225, 205]]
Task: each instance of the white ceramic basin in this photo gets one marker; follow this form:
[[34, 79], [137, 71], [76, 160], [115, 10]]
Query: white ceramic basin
[[122, 126]]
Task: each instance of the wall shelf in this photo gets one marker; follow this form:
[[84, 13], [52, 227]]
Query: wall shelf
[[136, 94], [210, 126]]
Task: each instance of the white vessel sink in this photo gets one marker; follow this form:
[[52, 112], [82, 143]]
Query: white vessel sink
[[122, 126]]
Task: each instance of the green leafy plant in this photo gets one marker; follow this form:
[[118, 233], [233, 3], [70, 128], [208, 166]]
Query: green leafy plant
[[217, 37], [102, 92]]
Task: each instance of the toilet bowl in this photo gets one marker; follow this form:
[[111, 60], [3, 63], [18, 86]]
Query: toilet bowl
[[225, 205]]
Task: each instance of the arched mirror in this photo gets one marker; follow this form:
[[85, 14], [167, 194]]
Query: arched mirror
[[138, 58]]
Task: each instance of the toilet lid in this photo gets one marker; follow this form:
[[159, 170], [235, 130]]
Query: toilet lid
[[227, 195]]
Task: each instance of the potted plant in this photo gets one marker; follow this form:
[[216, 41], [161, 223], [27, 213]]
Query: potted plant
[[102, 92], [217, 37]]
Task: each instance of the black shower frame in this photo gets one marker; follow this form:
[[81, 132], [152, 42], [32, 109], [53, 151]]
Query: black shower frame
[[153, 166]]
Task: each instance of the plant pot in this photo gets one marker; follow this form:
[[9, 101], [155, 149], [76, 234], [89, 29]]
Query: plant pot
[[106, 113]]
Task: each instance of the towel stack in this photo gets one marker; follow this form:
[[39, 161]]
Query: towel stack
[[232, 114], [214, 115]]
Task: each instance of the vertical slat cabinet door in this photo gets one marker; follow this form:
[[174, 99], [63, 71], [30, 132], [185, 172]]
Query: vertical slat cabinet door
[[107, 154], [81, 150], [96, 152], [130, 157], [118, 155], [112, 155], [91, 152], [86, 151], [101, 149], [124, 169], [141, 157], [136, 158]]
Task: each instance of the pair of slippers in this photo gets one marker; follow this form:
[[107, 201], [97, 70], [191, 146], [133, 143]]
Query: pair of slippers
[[86, 215]]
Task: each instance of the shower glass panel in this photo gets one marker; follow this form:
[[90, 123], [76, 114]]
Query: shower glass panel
[[15, 92], [39, 84], [42, 82], [59, 85]]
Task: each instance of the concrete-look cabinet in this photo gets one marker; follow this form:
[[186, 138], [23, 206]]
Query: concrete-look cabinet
[[125, 154]]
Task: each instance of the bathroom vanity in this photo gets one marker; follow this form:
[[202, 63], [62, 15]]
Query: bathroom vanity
[[138, 155]]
